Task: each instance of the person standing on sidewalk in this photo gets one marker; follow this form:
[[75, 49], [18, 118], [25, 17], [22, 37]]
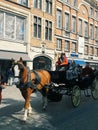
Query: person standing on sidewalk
[[2, 86], [10, 76]]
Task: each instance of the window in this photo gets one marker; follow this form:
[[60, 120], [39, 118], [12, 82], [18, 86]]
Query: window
[[91, 50], [74, 2], [96, 51], [49, 6], [86, 50], [23, 2], [67, 1], [37, 27], [20, 28], [96, 42], [96, 14], [67, 46], [67, 21], [96, 32], [59, 44], [73, 47], [80, 27], [85, 29], [73, 24], [1, 24], [13, 28], [91, 31], [48, 30], [9, 25], [91, 11], [59, 19], [38, 4]]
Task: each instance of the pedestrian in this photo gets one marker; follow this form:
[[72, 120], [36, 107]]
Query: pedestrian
[[2, 86], [10, 76]]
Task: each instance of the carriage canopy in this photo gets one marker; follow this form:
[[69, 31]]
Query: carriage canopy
[[78, 62]]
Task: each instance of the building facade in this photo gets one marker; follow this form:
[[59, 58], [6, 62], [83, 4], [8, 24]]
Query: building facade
[[14, 33], [39, 30], [77, 29]]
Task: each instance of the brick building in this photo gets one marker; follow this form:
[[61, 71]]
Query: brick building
[[77, 29], [39, 30]]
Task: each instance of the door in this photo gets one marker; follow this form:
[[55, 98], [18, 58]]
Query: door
[[42, 62]]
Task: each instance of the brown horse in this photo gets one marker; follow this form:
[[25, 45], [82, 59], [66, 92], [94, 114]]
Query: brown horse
[[31, 81]]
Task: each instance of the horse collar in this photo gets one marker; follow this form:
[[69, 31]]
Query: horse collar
[[37, 79]]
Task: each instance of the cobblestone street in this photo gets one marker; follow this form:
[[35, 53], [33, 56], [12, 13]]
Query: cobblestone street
[[59, 115]]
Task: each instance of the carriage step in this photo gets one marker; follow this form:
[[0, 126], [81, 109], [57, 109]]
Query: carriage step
[[88, 95], [62, 92]]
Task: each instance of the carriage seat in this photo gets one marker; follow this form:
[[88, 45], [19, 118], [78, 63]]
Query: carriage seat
[[72, 72]]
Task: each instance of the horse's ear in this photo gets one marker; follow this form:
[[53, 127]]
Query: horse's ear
[[21, 59]]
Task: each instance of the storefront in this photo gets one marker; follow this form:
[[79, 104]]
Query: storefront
[[6, 57]]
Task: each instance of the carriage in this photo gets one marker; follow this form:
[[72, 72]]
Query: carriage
[[53, 85], [61, 85]]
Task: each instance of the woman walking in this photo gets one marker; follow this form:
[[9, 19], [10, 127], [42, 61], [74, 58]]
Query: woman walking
[[2, 86]]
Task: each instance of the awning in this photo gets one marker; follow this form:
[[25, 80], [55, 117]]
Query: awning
[[8, 55], [78, 62]]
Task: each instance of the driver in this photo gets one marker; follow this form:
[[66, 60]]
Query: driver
[[64, 62]]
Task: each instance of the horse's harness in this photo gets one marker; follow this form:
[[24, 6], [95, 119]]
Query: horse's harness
[[37, 80], [32, 83]]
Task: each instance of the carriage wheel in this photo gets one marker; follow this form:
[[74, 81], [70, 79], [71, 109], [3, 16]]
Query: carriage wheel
[[75, 97], [94, 89]]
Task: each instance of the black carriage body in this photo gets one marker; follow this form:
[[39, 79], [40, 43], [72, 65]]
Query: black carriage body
[[60, 86], [59, 77]]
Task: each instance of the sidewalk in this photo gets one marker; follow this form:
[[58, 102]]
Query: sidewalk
[[11, 95]]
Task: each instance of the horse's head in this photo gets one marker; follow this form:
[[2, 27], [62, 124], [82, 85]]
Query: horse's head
[[20, 71], [20, 64]]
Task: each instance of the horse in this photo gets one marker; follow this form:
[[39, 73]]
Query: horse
[[29, 82]]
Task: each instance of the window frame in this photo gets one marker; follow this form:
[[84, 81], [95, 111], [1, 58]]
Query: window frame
[[48, 30], [38, 25], [59, 18]]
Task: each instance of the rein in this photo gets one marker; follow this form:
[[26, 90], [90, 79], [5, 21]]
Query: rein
[[38, 78]]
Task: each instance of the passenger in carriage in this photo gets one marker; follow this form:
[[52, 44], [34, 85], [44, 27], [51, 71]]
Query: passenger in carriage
[[72, 64], [64, 62], [87, 70], [73, 70]]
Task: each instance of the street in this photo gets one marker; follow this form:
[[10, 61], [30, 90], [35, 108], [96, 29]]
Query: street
[[59, 115]]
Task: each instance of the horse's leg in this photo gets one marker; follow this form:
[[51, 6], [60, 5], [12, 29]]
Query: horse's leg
[[44, 98], [26, 94], [30, 109], [44, 102]]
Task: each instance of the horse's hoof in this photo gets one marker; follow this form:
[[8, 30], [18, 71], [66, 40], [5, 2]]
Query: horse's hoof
[[24, 119], [23, 122], [29, 114], [43, 109]]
